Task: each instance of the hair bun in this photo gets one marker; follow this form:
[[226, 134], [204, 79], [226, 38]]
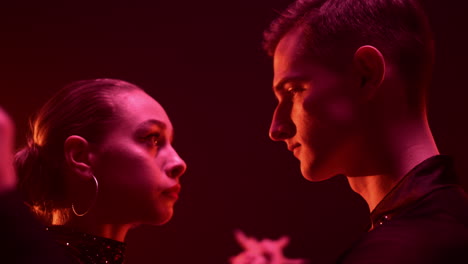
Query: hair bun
[[28, 162]]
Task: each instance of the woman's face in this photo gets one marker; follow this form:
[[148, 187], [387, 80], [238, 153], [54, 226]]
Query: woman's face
[[137, 168]]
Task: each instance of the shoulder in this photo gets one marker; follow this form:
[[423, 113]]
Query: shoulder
[[446, 205], [433, 231], [411, 242]]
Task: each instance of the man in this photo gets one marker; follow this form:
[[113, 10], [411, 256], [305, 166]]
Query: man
[[350, 77]]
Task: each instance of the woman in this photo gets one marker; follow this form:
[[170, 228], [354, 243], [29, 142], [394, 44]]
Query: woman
[[99, 161]]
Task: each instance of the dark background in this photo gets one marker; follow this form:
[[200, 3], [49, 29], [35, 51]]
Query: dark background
[[203, 62]]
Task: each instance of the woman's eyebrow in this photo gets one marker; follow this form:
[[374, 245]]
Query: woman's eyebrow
[[145, 125], [152, 122]]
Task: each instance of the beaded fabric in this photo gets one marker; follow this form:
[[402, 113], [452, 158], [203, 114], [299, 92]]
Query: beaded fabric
[[88, 249]]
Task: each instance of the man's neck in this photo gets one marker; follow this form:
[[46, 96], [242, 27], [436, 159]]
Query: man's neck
[[406, 146]]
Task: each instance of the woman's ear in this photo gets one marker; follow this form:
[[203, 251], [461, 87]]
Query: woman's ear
[[77, 153], [370, 65]]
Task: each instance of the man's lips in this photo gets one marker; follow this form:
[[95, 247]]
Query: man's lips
[[293, 146], [172, 192]]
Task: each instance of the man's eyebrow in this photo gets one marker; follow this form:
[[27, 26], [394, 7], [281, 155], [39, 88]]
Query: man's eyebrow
[[280, 85]]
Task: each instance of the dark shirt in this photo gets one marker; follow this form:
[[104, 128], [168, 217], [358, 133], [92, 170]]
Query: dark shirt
[[424, 219], [23, 239]]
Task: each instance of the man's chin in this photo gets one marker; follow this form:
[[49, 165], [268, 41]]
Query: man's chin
[[315, 173]]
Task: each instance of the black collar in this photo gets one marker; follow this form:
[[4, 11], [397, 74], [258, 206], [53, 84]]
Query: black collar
[[432, 174]]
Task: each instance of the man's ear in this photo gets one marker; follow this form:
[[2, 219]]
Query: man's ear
[[76, 151], [370, 64]]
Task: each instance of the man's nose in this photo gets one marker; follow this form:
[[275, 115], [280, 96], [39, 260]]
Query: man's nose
[[282, 126]]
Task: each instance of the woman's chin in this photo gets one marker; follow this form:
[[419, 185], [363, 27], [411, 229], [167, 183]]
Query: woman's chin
[[161, 218]]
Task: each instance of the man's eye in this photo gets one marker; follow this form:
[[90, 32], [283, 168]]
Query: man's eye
[[294, 89]]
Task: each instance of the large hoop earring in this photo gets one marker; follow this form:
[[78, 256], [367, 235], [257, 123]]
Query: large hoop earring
[[92, 203]]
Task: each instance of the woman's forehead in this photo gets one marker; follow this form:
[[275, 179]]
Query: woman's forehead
[[137, 107]]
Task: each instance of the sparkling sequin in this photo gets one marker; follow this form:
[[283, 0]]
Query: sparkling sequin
[[88, 249]]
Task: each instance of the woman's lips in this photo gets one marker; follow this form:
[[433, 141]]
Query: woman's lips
[[172, 192]]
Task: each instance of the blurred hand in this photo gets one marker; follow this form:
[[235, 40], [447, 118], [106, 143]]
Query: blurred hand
[[266, 251], [7, 173]]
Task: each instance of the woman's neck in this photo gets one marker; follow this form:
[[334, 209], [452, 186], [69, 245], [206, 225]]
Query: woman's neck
[[86, 224]]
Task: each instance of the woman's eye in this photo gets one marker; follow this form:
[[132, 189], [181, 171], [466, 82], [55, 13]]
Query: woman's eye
[[153, 140]]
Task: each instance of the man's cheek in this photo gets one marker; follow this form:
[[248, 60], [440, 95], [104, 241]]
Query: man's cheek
[[341, 110]]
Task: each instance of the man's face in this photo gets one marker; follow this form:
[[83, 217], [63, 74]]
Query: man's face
[[317, 115]]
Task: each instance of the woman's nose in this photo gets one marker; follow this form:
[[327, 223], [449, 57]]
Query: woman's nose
[[176, 167], [178, 170]]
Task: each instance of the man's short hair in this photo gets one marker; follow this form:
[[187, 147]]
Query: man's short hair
[[332, 30]]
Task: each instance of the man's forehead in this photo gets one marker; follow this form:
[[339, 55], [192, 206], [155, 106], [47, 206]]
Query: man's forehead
[[286, 55]]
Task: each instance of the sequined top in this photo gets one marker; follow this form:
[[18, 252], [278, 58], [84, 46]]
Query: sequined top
[[88, 249]]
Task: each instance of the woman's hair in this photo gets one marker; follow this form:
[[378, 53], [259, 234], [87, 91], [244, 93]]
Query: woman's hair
[[83, 108]]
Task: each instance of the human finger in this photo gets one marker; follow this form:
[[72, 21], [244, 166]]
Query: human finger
[[246, 242]]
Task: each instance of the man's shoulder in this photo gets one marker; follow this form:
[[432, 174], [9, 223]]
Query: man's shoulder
[[412, 241], [434, 230], [445, 206]]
